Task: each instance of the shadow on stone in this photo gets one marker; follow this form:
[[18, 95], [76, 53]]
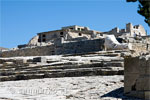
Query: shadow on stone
[[119, 94]]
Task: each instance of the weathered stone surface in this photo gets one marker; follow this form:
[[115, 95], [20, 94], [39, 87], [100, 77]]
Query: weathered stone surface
[[137, 78], [66, 88], [130, 79], [131, 65], [138, 94], [147, 95]]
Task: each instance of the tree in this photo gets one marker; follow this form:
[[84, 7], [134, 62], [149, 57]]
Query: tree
[[144, 9]]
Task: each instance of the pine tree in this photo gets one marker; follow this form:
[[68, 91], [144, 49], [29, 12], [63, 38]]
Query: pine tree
[[144, 9]]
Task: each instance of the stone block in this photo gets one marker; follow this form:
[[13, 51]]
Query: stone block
[[131, 65], [24, 60], [127, 89], [40, 59], [148, 67], [147, 83], [137, 94], [142, 62], [19, 61], [1, 65], [130, 79], [148, 61], [137, 77], [37, 59], [144, 70], [140, 84], [147, 95], [8, 63], [29, 60], [1, 61], [147, 70]]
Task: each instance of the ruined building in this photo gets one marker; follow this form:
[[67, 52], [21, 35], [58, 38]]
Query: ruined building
[[76, 39], [129, 31], [78, 33], [69, 33], [92, 53]]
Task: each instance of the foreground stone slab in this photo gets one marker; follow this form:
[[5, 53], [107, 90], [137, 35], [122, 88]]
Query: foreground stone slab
[[137, 77]]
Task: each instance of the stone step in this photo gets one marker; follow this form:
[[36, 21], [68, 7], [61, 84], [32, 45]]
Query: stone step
[[99, 52], [59, 70], [105, 64], [105, 54], [99, 64], [64, 73], [20, 77], [116, 64], [108, 60], [78, 66]]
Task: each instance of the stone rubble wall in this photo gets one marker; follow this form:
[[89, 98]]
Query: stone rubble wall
[[137, 77], [59, 48]]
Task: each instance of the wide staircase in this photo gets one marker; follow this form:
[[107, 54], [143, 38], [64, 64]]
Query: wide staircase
[[97, 63]]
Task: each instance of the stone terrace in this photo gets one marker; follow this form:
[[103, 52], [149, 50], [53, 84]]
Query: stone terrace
[[98, 63]]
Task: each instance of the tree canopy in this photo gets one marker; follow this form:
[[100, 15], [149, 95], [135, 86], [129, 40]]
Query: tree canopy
[[143, 9]]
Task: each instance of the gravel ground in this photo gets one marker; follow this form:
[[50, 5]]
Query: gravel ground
[[67, 88]]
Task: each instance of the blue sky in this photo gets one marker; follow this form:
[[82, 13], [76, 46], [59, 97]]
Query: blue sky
[[20, 20]]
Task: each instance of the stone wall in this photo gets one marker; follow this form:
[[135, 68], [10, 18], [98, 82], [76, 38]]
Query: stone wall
[[141, 47], [130, 30], [137, 77], [60, 48], [68, 33], [80, 47], [35, 51]]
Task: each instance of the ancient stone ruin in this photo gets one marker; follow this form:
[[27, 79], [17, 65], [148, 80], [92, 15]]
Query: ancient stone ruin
[[78, 51], [137, 76], [76, 39]]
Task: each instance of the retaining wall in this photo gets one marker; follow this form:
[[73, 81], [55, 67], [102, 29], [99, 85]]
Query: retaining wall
[[59, 48], [35, 51], [80, 47]]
